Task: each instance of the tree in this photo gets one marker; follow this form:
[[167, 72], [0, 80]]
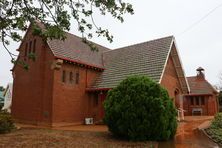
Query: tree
[[139, 109], [220, 82], [2, 88], [16, 15], [220, 98]]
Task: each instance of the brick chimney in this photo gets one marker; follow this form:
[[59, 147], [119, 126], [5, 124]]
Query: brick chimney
[[200, 73]]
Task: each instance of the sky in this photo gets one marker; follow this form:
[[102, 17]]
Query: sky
[[196, 26]]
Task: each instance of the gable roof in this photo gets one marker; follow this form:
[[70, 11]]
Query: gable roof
[[200, 86], [148, 58], [73, 49]]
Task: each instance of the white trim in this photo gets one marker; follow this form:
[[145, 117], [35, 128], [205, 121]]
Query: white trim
[[174, 41], [181, 65], [168, 54]]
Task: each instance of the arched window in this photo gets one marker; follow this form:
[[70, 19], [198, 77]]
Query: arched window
[[176, 97]]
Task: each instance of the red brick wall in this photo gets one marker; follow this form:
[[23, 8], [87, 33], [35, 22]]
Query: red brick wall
[[212, 105], [71, 102], [209, 109], [170, 80], [32, 89], [39, 95]]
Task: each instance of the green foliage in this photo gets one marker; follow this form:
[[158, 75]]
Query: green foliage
[[215, 134], [2, 88], [217, 122], [139, 109], [215, 129], [6, 122], [220, 98], [56, 16], [16, 15]]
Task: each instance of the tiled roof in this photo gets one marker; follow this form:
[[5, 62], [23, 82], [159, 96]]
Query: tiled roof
[[200, 86], [146, 58], [72, 48]]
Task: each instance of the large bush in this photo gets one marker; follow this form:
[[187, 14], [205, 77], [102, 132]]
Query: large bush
[[139, 109], [6, 122]]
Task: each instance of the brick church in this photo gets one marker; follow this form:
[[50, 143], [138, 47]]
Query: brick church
[[67, 82]]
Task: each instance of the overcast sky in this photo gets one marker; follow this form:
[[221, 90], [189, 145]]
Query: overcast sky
[[196, 25]]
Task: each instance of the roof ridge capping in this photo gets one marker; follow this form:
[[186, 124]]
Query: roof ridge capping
[[157, 39], [42, 26]]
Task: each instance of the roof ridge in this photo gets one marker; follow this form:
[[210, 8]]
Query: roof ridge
[[97, 44], [41, 25], [191, 76], [141, 43], [210, 85]]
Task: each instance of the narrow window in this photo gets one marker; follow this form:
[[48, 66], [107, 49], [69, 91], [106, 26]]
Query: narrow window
[[30, 47], [71, 77], [34, 45], [202, 100], [64, 76], [197, 101], [77, 78], [191, 101]]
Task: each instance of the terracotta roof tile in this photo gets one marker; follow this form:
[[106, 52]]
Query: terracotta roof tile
[[200, 86], [145, 58], [72, 48]]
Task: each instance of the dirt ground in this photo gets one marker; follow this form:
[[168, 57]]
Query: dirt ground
[[98, 136], [46, 138]]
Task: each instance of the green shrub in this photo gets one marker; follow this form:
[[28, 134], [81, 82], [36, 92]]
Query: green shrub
[[215, 129], [139, 109], [6, 122], [220, 98], [217, 122]]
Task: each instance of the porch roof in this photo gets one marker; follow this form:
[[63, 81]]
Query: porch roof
[[200, 86]]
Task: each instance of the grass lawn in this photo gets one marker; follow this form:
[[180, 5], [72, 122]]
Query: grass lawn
[[29, 137], [215, 134]]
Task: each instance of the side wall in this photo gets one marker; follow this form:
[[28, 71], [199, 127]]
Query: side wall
[[32, 88], [71, 103]]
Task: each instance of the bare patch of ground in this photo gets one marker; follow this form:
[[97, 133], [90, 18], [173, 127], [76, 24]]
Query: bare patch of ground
[[46, 138]]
